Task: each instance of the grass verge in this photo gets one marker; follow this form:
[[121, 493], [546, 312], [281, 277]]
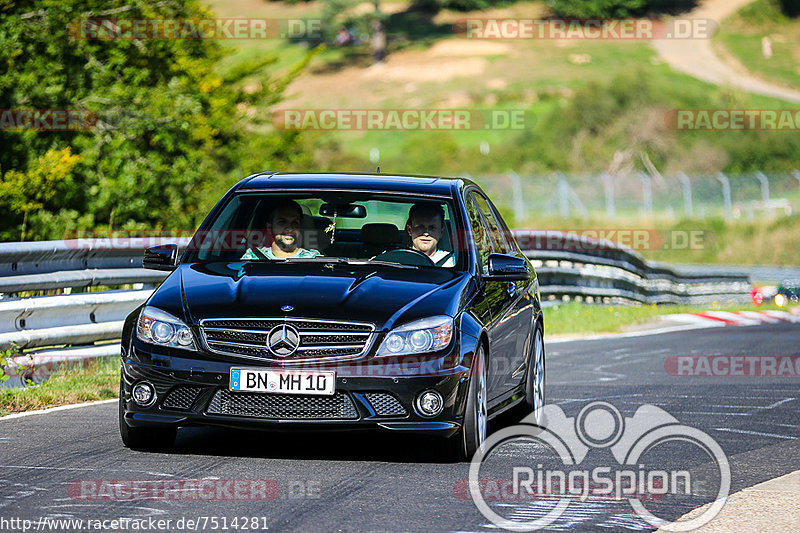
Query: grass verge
[[97, 380], [578, 318], [742, 33]]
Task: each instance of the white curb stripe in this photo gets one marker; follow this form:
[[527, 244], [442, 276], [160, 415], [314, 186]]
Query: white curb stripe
[[59, 408]]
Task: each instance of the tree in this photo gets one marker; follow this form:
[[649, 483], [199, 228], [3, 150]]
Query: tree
[[23, 192], [170, 130]]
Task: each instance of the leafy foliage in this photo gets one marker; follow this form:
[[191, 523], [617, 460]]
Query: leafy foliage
[[171, 132], [23, 192]]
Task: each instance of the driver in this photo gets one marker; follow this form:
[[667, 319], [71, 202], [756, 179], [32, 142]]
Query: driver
[[284, 222], [425, 226]]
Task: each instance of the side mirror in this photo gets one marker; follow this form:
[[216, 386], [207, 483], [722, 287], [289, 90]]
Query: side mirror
[[504, 267], [164, 257]]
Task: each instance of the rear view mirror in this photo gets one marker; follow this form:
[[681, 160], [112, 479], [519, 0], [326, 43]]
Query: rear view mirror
[[164, 257], [343, 210]]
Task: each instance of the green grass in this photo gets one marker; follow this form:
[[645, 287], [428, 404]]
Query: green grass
[[741, 36], [98, 380], [578, 318], [541, 77]]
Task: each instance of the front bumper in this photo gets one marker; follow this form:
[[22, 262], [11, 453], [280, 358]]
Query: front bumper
[[194, 392]]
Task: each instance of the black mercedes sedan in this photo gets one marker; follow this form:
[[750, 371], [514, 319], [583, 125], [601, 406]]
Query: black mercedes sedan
[[338, 301]]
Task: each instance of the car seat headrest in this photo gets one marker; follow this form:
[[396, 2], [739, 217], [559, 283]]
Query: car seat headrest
[[379, 234]]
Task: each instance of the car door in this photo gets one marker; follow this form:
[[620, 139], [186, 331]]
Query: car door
[[523, 309], [497, 298], [513, 318]]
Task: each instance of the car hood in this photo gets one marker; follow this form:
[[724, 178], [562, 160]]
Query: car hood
[[384, 296]]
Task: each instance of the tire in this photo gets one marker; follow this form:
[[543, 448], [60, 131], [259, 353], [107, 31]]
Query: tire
[[143, 437], [472, 434], [535, 377]]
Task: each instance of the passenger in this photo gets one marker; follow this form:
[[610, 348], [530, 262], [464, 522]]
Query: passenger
[[425, 226], [284, 223], [343, 37]]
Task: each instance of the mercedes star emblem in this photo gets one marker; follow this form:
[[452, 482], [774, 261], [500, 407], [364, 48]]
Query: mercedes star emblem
[[283, 340]]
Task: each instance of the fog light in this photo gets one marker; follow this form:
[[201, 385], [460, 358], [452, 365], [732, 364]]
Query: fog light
[[144, 394], [429, 403]]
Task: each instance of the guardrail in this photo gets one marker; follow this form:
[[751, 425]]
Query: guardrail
[[570, 266], [53, 325], [65, 326]]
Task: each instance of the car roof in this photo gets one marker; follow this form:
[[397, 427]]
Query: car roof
[[403, 183]]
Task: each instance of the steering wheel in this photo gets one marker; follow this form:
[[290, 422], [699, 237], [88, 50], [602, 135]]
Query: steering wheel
[[405, 256]]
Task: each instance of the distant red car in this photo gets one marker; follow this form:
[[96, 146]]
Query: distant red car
[[757, 296], [763, 292]]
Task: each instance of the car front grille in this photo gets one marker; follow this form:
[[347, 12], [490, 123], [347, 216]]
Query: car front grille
[[385, 404], [181, 398], [311, 339], [283, 406]]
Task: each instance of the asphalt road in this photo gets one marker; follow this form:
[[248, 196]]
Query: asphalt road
[[340, 482]]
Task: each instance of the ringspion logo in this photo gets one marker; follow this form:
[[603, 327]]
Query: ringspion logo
[[555, 473]]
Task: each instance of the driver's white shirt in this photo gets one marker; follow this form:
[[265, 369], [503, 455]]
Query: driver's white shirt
[[438, 255]]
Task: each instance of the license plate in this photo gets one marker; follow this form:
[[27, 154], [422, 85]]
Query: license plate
[[283, 382]]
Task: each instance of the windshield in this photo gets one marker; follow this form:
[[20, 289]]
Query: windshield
[[364, 227]]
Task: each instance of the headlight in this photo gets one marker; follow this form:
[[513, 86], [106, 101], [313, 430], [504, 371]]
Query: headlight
[[157, 327], [780, 300], [425, 335]]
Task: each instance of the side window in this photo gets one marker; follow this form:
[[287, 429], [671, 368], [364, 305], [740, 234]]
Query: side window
[[479, 231], [494, 229], [511, 243]]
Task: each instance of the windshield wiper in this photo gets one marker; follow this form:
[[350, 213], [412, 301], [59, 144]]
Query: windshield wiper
[[317, 259], [388, 263], [343, 261]]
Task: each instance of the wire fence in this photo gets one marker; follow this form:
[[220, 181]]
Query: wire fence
[[641, 195]]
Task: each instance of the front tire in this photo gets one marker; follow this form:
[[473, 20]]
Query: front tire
[[463, 445], [143, 437]]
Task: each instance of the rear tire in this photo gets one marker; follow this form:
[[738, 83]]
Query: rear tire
[[143, 437], [535, 377], [472, 434]]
